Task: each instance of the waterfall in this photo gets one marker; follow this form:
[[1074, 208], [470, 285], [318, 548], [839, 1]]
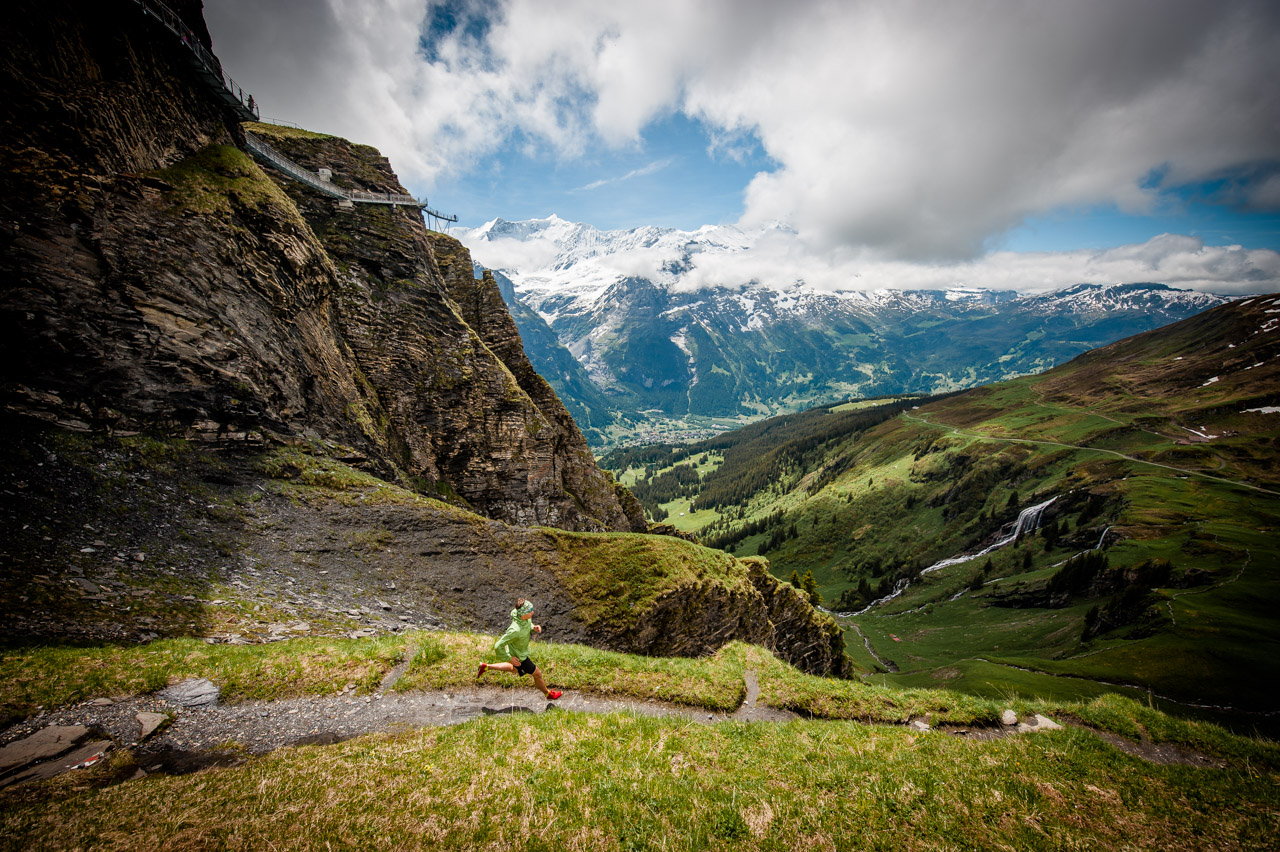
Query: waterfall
[[898, 588], [1029, 518], [1102, 538], [1028, 521]]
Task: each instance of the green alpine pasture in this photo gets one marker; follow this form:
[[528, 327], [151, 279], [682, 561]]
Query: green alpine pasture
[[1160, 459]]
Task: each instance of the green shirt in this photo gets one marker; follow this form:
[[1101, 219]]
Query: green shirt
[[515, 642]]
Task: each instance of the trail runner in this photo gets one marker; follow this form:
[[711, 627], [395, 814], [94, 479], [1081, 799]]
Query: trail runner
[[515, 644]]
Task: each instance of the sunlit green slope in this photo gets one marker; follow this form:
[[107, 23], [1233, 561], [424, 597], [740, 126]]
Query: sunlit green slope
[[1160, 456]]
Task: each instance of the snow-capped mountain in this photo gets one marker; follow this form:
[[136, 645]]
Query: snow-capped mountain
[[678, 321]]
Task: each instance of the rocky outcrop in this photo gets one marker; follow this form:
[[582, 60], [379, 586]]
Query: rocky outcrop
[[798, 633], [638, 595], [669, 529], [123, 539], [156, 279], [466, 414], [697, 619]]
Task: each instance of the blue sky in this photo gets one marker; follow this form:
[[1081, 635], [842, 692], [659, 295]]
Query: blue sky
[[673, 176], [955, 138], [1102, 227]]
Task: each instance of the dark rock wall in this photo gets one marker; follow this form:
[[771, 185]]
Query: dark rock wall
[[132, 297], [468, 414], [698, 619], [91, 89], [155, 278]]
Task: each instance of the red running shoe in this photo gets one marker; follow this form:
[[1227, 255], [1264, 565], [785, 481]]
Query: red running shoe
[[481, 670], [554, 694]]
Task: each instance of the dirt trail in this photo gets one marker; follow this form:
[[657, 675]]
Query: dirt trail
[[224, 735]]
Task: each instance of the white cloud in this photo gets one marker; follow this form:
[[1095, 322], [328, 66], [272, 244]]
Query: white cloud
[[777, 257], [523, 255], [1182, 262], [909, 130]]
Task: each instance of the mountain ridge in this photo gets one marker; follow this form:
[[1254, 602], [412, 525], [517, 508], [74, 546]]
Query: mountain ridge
[[649, 337]]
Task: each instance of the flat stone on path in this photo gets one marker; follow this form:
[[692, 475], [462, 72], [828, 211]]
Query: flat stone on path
[[42, 745], [196, 692], [1038, 723], [149, 723]]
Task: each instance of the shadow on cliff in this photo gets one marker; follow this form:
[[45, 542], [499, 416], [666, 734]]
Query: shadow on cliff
[[133, 538], [105, 538]]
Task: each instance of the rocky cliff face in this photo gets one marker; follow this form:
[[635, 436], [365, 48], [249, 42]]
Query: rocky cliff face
[[798, 633], [697, 619], [182, 322], [156, 278], [465, 412]]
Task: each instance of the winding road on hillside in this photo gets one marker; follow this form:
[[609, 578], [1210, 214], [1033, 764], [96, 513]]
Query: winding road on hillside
[[1183, 471]]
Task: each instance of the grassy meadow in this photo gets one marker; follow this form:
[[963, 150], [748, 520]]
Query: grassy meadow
[[625, 781]]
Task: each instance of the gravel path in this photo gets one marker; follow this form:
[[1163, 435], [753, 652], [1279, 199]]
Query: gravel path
[[222, 735]]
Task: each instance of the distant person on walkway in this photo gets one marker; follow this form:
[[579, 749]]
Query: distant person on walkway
[[515, 644]]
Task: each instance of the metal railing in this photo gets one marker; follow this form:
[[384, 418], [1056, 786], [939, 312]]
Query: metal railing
[[235, 97], [241, 102], [384, 198], [265, 152]]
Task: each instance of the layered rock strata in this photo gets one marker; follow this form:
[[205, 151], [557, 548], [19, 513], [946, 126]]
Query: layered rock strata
[[156, 279]]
